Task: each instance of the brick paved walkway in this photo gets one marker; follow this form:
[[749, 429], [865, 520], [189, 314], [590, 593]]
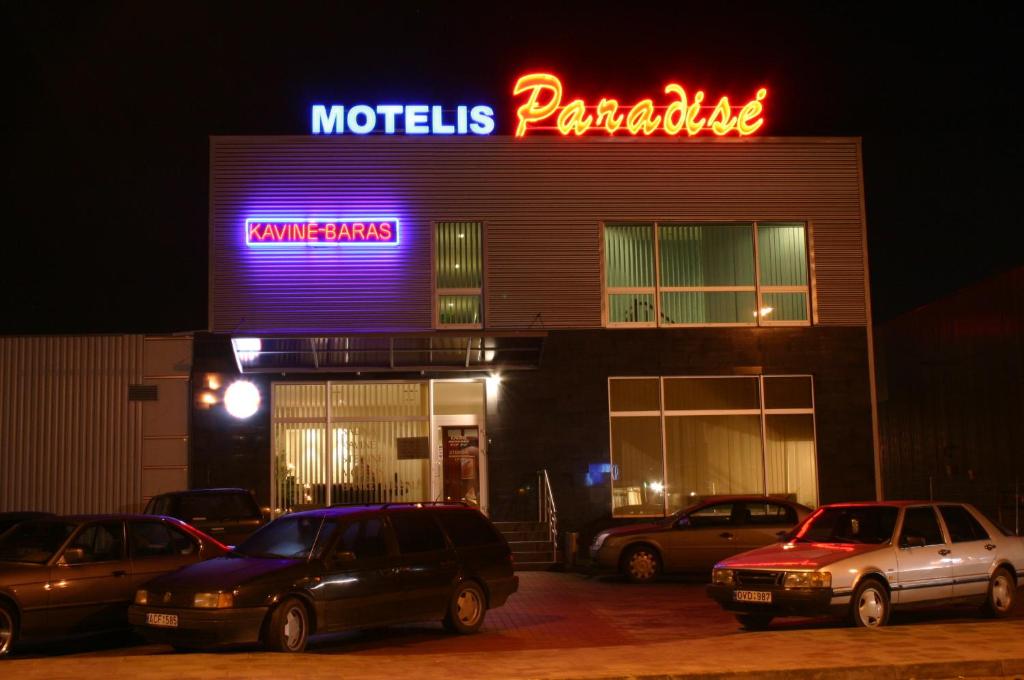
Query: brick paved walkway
[[567, 625]]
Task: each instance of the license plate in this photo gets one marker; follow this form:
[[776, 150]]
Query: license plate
[[752, 596], [166, 620]]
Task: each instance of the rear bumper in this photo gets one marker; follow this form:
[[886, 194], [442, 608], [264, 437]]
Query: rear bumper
[[500, 589], [201, 628], [792, 602]]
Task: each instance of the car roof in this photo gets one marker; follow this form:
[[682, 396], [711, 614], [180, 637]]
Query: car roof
[[753, 498], [110, 516], [892, 504], [196, 492], [343, 510]]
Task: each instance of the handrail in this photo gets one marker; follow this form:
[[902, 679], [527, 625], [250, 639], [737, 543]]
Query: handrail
[[547, 513]]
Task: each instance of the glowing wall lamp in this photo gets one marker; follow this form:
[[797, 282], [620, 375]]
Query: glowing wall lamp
[[242, 399]]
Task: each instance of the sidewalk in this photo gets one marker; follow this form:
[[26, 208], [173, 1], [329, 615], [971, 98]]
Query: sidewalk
[[564, 626]]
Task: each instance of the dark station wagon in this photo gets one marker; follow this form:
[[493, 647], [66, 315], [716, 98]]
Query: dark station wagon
[[229, 515], [335, 569]]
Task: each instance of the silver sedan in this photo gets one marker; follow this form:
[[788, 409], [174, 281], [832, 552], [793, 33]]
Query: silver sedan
[[861, 560]]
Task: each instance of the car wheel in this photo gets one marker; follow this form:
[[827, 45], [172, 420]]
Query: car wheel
[[641, 564], [869, 606], [466, 609], [8, 629], [754, 621], [1002, 594], [288, 627]]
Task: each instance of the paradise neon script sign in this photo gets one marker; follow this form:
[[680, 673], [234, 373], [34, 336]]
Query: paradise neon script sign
[[415, 119], [679, 114], [321, 232]]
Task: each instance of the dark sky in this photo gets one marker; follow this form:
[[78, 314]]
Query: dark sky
[[110, 105]]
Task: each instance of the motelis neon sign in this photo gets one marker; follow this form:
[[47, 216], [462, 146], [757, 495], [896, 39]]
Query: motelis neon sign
[[412, 119], [330, 231], [543, 110]]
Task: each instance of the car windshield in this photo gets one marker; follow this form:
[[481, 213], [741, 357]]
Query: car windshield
[[287, 537], [34, 541], [849, 524]]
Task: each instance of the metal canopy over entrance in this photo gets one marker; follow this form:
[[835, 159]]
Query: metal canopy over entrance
[[388, 353]]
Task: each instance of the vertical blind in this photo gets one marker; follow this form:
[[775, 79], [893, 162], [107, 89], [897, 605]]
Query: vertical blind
[[458, 264]]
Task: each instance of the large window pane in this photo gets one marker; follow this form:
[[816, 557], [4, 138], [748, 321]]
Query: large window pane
[[637, 480], [459, 309], [693, 255], [711, 394], [709, 455], [708, 307], [635, 394], [629, 255], [791, 463], [787, 392], [784, 307], [783, 254], [300, 466], [377, 400], [631, 308], [458, 250]]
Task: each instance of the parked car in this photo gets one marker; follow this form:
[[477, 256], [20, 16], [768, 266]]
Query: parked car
[[9, 519], [693, 539], [861, 560], [335, 569], [229, 515], [69, 575]]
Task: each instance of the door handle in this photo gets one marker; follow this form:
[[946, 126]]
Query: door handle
[[119, 573], [725, 534], [944, 551], [990, 546]]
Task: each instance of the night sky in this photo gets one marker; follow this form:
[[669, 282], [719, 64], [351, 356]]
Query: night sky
[[109, 107]]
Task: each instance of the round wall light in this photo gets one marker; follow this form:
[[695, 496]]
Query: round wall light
[[241, 399]]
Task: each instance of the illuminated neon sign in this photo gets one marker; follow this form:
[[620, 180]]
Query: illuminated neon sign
[[414, 119], [543, 110], [330, 231]]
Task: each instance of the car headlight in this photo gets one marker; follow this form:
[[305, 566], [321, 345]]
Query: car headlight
[[722, 577], [141, 597], [599, 540], [808, 579], [213, 600]]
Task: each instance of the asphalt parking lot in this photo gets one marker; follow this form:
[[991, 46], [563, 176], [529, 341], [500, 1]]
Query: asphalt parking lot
[[568, 625]]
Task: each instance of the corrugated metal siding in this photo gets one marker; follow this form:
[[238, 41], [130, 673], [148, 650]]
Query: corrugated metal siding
[[542, 201], [70, 441]]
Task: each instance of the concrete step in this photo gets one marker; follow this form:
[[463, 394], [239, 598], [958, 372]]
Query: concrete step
[[516, 536], [529, 546], [521, 526], [528, 556]]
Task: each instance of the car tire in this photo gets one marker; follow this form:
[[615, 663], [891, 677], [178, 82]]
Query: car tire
[[287, 628], [8, 628], [754, 621], [869, 606], [1002, 594], [641, 564], [466, 609]]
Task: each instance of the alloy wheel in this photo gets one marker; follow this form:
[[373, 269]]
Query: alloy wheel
[[1002, 593], [469, 607], [6, 631], [871, 608], [294, 627], [643, 565]]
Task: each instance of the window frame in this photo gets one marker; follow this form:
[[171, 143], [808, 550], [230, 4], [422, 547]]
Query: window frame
[[662, 413], [657, 289], [437, 292]]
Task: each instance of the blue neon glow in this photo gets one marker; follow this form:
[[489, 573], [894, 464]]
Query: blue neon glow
[[409, 119], [291, 219]]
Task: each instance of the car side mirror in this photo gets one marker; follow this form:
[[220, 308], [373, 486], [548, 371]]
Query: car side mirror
[[342, 557], [912, 542], [74, 555]]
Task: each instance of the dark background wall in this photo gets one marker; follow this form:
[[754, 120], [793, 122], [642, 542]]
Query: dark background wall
[[557, 417], [951, 398]]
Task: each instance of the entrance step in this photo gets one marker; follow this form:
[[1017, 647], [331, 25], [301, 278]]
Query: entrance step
[[531, 545], [519, 536]]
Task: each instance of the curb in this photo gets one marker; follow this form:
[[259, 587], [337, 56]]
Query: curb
[[981, 668]]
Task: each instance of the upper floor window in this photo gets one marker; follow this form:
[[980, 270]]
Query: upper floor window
[[458, 274], [694, 274]]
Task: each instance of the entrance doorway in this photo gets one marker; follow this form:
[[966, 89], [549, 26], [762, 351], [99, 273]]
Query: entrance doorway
[[460, 464]]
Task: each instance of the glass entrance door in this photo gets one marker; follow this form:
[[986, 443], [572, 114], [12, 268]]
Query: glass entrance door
[[460, 451]]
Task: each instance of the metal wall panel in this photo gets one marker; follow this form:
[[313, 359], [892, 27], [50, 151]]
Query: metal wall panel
[[542, 201], [71, 440]]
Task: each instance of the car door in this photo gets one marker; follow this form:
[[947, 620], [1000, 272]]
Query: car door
[[359, 585], [155, 547], [761, 523], [91, 588], [426, 564], [924, 564], [973, 551], [701, 538]]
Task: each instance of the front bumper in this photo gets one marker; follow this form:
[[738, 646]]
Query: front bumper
[[785, 602], [201, 627]]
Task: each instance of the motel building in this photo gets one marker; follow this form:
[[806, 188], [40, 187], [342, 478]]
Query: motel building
[[611, 310]]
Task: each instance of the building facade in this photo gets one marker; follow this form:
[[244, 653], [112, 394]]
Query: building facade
[[648, 320]]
